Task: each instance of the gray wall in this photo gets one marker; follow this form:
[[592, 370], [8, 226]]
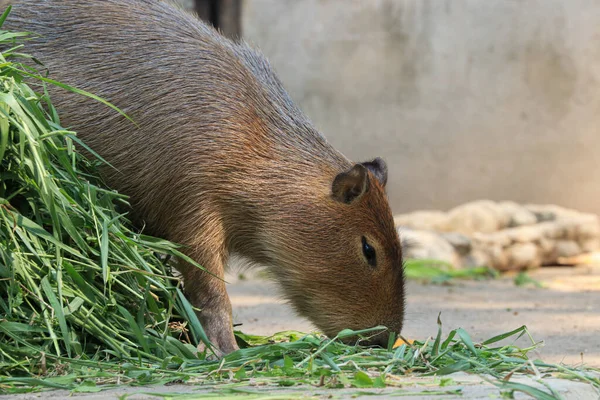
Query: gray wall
[[465, 99]]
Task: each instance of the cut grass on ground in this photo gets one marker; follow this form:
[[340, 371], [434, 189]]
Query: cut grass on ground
[[88, 303], [435, 271]]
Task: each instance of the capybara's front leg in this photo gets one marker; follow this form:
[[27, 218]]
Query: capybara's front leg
[[208, 293]]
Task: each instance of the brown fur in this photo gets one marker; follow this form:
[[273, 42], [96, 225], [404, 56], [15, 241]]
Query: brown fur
[[222, 161]]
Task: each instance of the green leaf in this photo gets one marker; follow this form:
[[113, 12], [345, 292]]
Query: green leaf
[[87, 386], [452, 368], [240, 374], [58, 311], [36, 230], [104, 252], [466, 339], [530, 390], [197, 330], [503, 336], [135, 328], [362, 380], [436, 344], [379, 382], [288, 364], [3, 18]]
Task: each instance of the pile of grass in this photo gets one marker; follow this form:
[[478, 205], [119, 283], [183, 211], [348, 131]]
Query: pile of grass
[[75, 279], [88, 303]]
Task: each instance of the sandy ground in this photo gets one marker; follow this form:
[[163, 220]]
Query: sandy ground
[[565, 313]]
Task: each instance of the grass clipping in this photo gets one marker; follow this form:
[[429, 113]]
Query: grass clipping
[[75, 279], [87, 303]]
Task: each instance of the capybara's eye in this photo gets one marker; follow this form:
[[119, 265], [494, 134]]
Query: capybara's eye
[[369, 252]]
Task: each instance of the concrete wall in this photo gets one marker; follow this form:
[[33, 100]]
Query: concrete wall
[[465, 99]]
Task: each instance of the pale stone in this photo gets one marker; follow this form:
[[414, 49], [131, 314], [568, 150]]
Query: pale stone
[[477, 258], [551, 212], [418, 244], [590, 245], [501, 238], [479, 216], [525, 234], [567, 248], [545, 245], [517, 215], [460, 242], [555, 230], [548, 252], [498, 257], [523, 255], [423, 220], [502, 235], [589, 227]]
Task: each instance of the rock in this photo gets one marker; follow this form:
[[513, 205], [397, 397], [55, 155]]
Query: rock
[[588, 227], [590, 245], [501, 238], [418, 244], [460, 242], [517, 215], [550, 212], [502, 235], [498, 258], [557, 230], [523, 256], [423, 220], [525, 234], [476, 258], [479, 216], [567, 248], [547, 250], [543, 215]]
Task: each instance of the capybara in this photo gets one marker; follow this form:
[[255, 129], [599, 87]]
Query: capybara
[[221, 161]]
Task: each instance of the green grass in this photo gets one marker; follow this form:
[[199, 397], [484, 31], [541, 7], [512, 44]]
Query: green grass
[[75, 278], [312, 361], [87, 303], [434, 271], [523, 279]]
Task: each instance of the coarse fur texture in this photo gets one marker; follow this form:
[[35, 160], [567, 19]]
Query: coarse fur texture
[[221, 160]]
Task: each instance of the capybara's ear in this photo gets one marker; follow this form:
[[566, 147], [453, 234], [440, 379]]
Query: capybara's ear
[[378, 167], [350, 185]]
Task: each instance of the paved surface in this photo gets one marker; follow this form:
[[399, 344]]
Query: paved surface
[[565, 314], [466, 387]]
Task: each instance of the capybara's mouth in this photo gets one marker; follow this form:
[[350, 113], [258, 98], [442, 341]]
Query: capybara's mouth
[[380, 339]]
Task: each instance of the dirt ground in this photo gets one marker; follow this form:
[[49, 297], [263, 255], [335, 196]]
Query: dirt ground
[[565, 313]]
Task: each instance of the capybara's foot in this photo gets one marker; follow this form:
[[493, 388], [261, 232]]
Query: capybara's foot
[[219, 330]]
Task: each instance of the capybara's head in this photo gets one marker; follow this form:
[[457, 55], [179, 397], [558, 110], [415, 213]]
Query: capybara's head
[[343, 254]]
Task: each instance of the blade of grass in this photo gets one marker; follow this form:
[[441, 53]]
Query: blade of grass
[[58, 311]]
